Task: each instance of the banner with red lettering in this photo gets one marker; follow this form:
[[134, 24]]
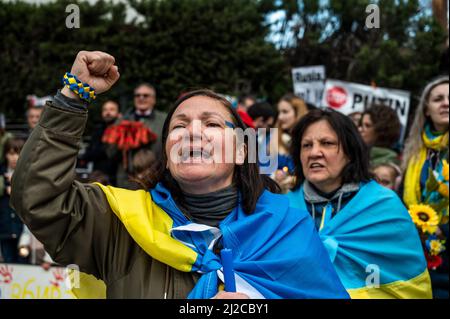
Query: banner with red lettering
[[349, 97], [33, 282]]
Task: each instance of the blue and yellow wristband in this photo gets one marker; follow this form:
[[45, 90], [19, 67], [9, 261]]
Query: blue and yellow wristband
[[83, 90]]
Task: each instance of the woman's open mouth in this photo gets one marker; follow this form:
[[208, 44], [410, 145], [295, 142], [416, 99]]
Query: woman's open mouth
[[316, 167], [444, 113], [194, 155]]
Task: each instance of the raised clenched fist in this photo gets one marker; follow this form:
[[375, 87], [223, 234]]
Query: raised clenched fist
[[97, 69]]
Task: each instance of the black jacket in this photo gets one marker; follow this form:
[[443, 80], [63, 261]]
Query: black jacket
[[10, 224]]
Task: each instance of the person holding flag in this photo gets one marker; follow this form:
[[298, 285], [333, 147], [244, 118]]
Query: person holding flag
[[164, 241], [365, 227]]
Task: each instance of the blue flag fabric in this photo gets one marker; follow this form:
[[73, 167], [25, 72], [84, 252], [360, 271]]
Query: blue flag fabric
[[374, 231], [277, 252]]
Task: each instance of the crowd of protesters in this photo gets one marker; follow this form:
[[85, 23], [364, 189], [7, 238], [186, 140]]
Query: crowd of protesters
[[416, 173]]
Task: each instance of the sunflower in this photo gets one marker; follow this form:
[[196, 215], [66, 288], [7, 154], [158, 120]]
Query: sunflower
[[443, 189], [424, 217], [445, 170], [436, 247]]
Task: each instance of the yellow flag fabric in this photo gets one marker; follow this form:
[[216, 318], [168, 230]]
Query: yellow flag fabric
[[415, 288], [412, 191], [139, 214]]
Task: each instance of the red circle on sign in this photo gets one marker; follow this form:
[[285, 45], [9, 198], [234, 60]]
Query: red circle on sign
[[336, 97]]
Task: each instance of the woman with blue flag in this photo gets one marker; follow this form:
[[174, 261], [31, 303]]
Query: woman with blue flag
[[164, 241], [366, 229]]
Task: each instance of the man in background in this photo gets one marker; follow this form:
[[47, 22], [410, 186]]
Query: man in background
[[144, 111], [105, 157]]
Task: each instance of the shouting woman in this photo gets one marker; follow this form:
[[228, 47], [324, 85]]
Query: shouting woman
[[165, 241]]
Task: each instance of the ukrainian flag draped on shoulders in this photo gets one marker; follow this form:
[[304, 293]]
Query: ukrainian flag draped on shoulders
[[277, 252], [374, 245]]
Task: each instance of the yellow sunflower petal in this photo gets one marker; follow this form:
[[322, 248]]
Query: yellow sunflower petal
[[436, 247], [430, 229], [443, 190], [425, 217], [445, 169]]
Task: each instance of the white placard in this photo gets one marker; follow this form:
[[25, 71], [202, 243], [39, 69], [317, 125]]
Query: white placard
[[309, 83], [33, 282], [349, 97]]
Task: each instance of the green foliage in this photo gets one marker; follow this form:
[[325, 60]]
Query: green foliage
[[220, 44], [179, 44], [403, 53]]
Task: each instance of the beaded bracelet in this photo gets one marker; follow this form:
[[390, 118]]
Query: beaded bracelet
[[83, 90]]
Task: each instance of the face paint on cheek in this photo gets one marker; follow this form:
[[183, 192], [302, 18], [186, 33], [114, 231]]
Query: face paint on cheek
[[229, 124]]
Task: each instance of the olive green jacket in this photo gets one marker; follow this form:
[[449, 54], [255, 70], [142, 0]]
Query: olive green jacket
[[75, 222], [383, 155]]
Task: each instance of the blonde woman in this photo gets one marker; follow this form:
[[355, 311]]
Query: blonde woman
[[425, 160], [291, 109]]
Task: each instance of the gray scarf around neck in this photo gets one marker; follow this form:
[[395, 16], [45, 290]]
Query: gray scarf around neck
[[211, 208]]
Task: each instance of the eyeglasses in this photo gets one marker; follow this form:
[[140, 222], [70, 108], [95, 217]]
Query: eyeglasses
[[137, 95]]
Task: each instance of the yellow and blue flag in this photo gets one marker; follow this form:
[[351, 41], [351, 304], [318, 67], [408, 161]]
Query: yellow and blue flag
[[374, 245], [277, 252]]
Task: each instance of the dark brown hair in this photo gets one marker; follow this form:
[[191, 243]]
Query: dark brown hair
[[13, 144], [98, 177], [350, 141], [385, 123], [142, 161], [246, 177]]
